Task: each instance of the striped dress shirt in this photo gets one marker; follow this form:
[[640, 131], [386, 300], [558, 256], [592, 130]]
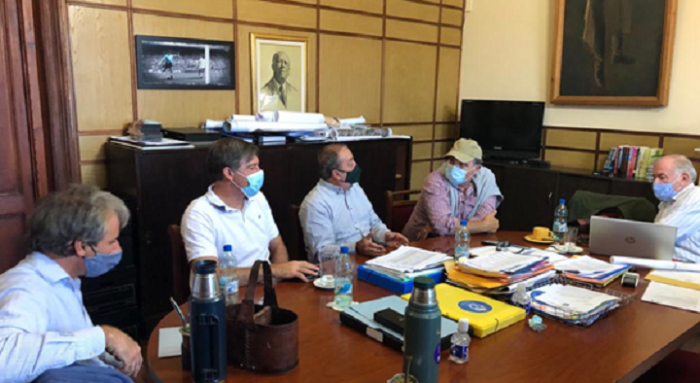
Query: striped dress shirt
[[683, 212]]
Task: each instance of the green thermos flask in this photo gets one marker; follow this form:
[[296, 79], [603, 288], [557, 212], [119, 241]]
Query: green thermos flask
[[422, 332]]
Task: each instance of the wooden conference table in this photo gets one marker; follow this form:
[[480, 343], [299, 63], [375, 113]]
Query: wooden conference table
[[617, 348]]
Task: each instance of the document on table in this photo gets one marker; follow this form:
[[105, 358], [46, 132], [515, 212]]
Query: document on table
[[687, 279], [502, 261], [572, 298], [655, 263], [586, 265], [169, 341], [409, 259], [674, 296]]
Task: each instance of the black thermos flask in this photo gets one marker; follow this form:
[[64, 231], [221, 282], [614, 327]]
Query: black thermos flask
[[207, 325]]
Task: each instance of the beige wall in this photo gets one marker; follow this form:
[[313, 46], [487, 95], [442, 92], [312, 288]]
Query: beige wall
[[395, 63], [507, 55]]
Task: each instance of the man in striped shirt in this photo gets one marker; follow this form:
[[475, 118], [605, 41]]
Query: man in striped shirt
[[674, 186]]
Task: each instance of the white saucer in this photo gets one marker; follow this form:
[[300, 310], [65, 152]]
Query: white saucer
[[325, 286]]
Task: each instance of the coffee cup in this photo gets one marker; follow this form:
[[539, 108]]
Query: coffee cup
[[542, 234]]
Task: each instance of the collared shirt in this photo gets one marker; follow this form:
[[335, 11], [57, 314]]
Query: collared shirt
[[683, 212], [332, 217], [43, 323], [434, 209], [208, 224]]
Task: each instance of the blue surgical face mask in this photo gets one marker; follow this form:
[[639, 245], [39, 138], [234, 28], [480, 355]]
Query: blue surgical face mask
[[255, 183], [101, 263], [664, 191], [455, 175]]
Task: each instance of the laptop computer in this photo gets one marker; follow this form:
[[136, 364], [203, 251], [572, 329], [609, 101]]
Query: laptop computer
[[631, 238]]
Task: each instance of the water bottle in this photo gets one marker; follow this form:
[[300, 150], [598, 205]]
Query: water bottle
[[459, 350], [422, 331], [462, 242], [522, 299], [228, 279], [207, 325], [344, 272], [561, 214]]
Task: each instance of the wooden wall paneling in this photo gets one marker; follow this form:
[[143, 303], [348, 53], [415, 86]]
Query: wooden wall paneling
[[181, 27], [94, 174], [11, 235], [429, 1], [409, 82], [418, 132], [211, 8], [609, 140], [310, 2], [406, 30], [448, 85], [372, 6], [452, 16], [419, 170], [570, 159], [681, 145], [446, 131], [276, 13], [411, 10], [350, 23], [450, 36], [92, 148], [454, 3], [574, 139], [102, 75], [181, 108], [422, 151], [106, 2], [244, 72], [601, 162], [351, 73], [441, 148]]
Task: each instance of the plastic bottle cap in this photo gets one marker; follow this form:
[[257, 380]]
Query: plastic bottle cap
[[424, 283], [344, 249], [562, 201], [463, 325], [464, 222], [228, 248]]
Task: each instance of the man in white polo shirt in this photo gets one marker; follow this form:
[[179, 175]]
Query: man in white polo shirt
[[234, 212]]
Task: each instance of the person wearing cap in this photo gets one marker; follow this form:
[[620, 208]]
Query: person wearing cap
[[460, 189], [338, 213]]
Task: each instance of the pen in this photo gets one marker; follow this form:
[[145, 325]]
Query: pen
[[179, 313]]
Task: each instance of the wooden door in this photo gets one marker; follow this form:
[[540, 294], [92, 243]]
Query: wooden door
[[21, 143]]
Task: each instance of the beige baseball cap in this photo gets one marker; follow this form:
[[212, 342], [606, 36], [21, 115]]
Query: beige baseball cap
[[465, 150]]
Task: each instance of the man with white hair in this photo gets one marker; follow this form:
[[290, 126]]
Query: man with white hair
[[674, 186]]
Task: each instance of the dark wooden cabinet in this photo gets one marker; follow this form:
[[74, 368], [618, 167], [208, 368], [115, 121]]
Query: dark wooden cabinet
[[158, 185], [532, 194]]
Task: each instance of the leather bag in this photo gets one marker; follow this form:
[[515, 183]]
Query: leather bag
[[267, 342]]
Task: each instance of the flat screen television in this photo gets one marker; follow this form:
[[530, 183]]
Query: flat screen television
[[504, 129]]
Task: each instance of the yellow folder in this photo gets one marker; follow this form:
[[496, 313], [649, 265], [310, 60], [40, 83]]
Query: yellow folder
[[486, 316], [676, 278]]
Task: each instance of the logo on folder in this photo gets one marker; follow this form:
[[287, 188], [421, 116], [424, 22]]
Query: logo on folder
[[475, 307]]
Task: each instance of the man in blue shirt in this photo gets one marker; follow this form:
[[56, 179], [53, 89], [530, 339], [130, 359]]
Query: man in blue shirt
[[338, 213], [44, 327]]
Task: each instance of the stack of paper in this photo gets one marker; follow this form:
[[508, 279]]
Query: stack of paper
[[500, 272], [163, 144], [407, 259], [572, 304], [591, 270], [676, 278], [674, 296]]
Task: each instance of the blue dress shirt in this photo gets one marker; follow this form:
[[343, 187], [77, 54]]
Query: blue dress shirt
[[43, 323], [332, 217]]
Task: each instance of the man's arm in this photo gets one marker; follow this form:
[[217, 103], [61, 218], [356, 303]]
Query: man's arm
[[27, 349], [283, 268], [686, 220], [437, 204]]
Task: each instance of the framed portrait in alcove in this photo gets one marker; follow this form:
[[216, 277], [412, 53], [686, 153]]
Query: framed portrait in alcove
[[279, 67], [613, 52]]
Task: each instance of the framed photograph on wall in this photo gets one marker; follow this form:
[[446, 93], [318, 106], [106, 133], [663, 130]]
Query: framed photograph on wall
[[613, 52], [176, 63], [279, 67]]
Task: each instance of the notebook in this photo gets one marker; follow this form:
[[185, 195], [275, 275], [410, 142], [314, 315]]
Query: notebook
[[486, 316]]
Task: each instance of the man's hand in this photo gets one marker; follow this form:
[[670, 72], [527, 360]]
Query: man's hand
[[365, 246], [490, 223], [124, 349], [293, 269], [395, 239]]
